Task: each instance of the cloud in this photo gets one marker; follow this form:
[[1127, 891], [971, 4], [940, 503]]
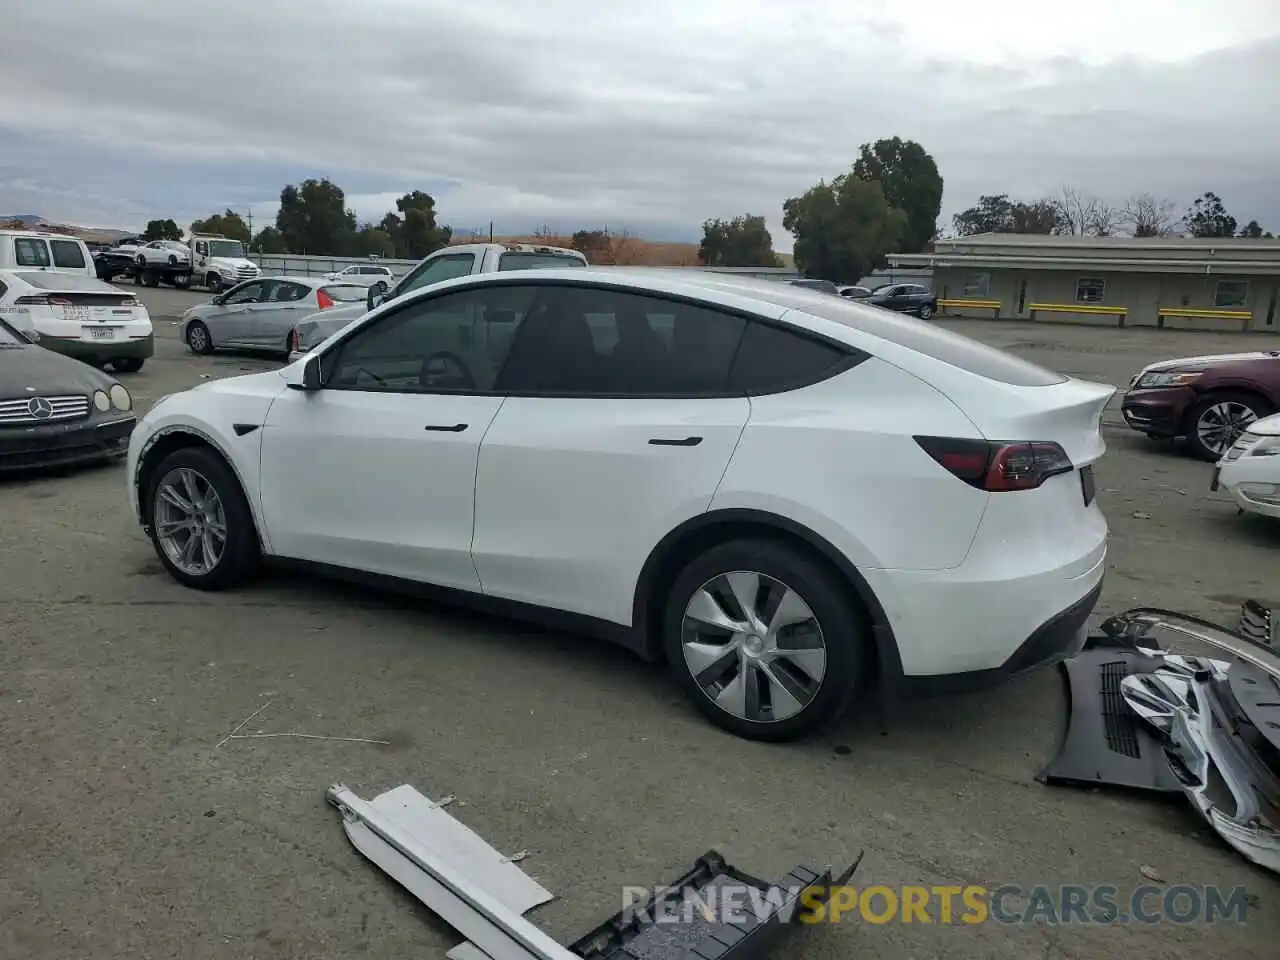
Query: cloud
[[654, 116]]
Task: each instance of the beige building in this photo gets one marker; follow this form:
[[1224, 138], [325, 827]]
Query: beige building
[[1188, 283]]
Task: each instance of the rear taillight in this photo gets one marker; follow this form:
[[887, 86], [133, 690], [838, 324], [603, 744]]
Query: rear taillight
[[324, 300], [44, 300], [995, 466], [130, 302]]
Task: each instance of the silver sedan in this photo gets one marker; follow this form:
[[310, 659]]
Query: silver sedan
[[260, 314]]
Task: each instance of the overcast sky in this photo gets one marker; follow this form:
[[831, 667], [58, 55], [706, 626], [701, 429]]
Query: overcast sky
[[653, 116]]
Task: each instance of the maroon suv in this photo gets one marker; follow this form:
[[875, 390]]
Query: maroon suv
[[1207, 400]]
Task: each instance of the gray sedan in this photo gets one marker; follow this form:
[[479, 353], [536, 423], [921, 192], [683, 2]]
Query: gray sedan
[[260, 314]]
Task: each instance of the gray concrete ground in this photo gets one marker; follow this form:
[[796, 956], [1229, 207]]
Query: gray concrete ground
[[128, 831]]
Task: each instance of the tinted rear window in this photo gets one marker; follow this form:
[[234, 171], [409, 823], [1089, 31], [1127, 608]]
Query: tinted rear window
[[936, 342], [770, 359], [535, 261], [65, 282], [347, 292], [67, 254]]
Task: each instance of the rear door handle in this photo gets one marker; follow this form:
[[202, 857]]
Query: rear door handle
[[443, 428], [686, 442]]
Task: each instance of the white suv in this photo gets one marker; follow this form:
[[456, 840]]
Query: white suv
[[784, 493]]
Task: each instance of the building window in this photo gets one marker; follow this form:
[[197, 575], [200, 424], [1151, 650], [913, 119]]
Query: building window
[[977, 284], [1231, 293], [1091, 290]]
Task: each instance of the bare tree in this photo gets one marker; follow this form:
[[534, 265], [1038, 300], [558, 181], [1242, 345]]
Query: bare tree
[[1146, 216], [1085, 215]]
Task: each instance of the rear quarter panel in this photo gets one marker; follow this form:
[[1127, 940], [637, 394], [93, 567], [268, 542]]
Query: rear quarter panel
[[839, 457]]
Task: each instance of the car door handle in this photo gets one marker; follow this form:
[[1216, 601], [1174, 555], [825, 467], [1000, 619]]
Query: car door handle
[[666, 442], [442, 428]]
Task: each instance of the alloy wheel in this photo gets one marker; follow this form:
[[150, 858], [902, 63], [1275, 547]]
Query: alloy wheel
[[198, 338], [754, 646], [190, 521], [1221, 424]]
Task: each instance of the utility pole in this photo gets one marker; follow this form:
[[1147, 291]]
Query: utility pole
[[250, 224], [491, 231]]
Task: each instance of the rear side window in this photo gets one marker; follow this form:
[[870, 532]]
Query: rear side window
[[30, 252], [936, 342], [347, 293], [601, 342], [771, 360], [535, 261]]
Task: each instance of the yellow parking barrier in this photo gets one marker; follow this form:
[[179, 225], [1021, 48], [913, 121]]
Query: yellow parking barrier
[[1120, 313], [992, 305], [1197, 313]]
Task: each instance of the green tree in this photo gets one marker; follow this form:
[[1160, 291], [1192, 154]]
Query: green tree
[[843, 229], [270, 241], [313, 219], [911, 183], [1208, 217], [1253, 231], [162, 230], [743, 241], [228, 224], [414, 230], [595, 245], [372, 241], [996, 213]]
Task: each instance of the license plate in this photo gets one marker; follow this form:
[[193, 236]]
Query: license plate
[[1213, 481], [102, 333], [1086, 484], [75, 312]]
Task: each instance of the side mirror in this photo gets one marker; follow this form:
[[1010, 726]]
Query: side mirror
[[218, 300], [308, 379]]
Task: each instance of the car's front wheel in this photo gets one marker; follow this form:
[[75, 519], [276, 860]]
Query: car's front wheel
[[200, 521], [1215, 422], [198, 338], [764, 639]]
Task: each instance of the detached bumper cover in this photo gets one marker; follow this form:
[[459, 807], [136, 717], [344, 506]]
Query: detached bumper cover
[[1214, 723], [64, 444]]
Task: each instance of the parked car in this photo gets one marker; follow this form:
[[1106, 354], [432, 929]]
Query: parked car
[[55, 411], [261, 314], [905, 298], [855, 292], [373, 275], [1208, 401], [465, 259], [1250, 471], [79, 316], [826, 286], [157, 253], [778, 491], [34, 250]]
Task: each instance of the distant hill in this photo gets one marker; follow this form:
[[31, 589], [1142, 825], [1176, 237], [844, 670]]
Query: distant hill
[[33, 221]]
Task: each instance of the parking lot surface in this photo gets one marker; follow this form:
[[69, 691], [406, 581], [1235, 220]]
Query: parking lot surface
[[131, 829]]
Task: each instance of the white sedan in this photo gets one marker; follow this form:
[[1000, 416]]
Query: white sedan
[[1250, 471], [365, 274], [82, 317], [781, 493], [163, 253]]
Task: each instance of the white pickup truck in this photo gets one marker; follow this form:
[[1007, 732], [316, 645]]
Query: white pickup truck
[[445, 264]]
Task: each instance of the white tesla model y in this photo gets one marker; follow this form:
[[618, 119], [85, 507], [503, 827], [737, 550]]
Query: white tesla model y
[[789, 496]]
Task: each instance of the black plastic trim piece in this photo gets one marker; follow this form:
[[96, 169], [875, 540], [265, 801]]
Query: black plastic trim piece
[[686, 442], [244, 429], [441, 428]]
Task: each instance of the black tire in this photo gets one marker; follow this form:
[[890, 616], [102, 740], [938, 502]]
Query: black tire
[[213, 282], [1235, 398], [173, 261], [127, 364], [844, 627], [201, 344], [242, 552], [151, 278], [925, 311]]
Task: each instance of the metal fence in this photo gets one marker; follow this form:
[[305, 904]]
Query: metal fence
[[297, 265]]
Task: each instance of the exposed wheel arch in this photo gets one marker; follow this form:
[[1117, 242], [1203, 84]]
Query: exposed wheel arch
[[166, 443], [708, 529]]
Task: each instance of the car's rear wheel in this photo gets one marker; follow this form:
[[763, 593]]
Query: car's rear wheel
[[925, 311], [1217, 420], [200, 521], [764, 639], [199, 339]]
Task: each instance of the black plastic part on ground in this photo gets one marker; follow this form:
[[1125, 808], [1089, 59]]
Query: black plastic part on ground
[[1106, 744], [638, 934]]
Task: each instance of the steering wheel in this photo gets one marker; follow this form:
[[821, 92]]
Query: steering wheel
[[446, 366]]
